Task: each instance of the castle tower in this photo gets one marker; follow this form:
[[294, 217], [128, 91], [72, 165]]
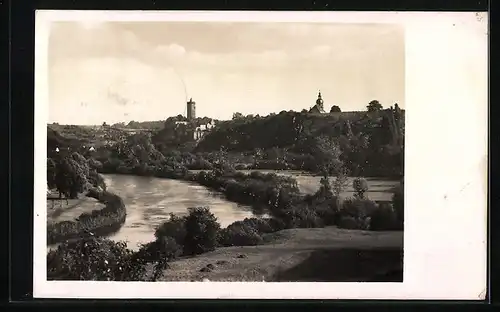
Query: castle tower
[[191, 109]]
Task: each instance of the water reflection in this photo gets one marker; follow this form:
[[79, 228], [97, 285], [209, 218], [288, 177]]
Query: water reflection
[[150, 200]]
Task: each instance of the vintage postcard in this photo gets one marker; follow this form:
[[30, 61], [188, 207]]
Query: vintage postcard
[[260, 155]]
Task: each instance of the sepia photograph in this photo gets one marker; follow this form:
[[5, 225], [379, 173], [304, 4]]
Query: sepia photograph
[[225, 151]]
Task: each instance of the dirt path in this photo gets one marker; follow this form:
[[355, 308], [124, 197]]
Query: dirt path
[[325, 254]]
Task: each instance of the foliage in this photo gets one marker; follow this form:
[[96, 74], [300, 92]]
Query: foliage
[[301, 216], [71, 176], [374, 106], [95, 259], [335, 109], [327, 154], [175, 228], [101, 259], [360, 186], [239, 234], [356, 213], [99, 222], [340, 182], [293, 137], [384, 219], [51, 173], [201, 231]]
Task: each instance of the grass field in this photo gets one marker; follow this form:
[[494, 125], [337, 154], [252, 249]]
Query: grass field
[[321, 254], [61, 210]]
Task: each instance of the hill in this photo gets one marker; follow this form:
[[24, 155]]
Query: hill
[[372, 143]]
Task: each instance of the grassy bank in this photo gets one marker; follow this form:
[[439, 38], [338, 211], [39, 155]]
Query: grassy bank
[[325, 254], [100, 222]]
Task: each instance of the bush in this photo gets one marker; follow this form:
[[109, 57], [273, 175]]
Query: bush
[[355, 213], [360, 186], [94, 259], [384, 219], [164, 247], [239, 234], [301, 216], [276, 224], [175, 228], [201, 231], [328, 210]]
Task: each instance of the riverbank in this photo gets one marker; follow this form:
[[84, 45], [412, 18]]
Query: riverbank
[[325, 254], [100, 222]]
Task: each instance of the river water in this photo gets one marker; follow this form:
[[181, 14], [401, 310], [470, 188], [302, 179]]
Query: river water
[[149, 201]]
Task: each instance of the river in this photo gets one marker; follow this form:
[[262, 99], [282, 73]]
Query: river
[[149, 201]]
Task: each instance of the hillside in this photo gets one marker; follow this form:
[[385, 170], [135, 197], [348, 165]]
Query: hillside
[[325, 254], [285, 130], [371, 143]]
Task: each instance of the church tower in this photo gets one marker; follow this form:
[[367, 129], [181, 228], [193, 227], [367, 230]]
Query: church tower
[[191, 109], [319, 102]]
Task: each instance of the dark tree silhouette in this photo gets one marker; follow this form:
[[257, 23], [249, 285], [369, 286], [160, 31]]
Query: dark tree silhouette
[[374, 106], [335, 109]]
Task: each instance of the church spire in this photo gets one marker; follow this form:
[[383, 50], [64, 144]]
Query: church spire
[[319, 101]]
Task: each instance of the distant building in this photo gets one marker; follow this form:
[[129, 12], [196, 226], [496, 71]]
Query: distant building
[[191, 109], [318, 108], [202, 130]]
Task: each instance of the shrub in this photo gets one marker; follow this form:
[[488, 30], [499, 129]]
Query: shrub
[[239, 234], [276, 224], [360, 186], [93, 259], [328, 210], [260, 224], [384, 219], [325, 189], [201, 231], [175, 228], [164, 247], [356, 213], [301, 216]]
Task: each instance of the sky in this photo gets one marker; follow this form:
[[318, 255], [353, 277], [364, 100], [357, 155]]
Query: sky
[[144, 71]]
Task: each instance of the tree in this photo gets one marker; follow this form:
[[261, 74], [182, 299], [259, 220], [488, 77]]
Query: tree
[[71, 177], [201, 231], [360, 186], [335, 109], [327, 154], [237, 115], [374, 106]]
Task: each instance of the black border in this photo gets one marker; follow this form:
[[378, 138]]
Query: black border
[[21, 38]]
